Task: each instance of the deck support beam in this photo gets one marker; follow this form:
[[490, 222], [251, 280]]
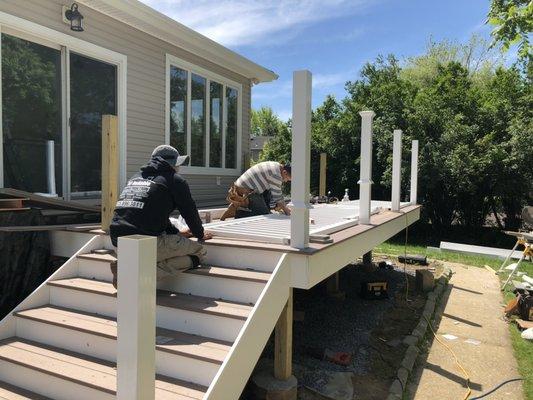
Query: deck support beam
[[365, 181], [322, 182], [301, 158], [283, 342], [414, 172], [110, 168], [136, 307], [396, 170]]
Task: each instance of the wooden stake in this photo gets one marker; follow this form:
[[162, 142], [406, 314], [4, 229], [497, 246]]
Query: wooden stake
[[283, 342], [110, 173], [322, 183]]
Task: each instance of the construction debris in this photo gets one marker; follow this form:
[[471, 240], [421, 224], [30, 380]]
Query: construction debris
[[413, 259]]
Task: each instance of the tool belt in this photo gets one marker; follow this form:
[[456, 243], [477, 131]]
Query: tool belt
[[237, 198]]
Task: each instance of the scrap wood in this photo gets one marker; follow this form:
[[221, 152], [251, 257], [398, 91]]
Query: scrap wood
[[36, 200], [36, 228], [522, 324]]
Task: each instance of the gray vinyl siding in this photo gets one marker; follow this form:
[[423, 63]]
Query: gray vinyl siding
[[146, 94]]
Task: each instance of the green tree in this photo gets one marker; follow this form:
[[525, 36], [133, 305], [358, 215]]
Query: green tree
[[513, 22], [265, 122]]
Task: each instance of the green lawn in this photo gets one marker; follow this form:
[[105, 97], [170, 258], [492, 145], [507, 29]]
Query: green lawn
[[523, 349]]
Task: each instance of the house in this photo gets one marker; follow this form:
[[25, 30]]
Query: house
[[165, 83], [257, 143]]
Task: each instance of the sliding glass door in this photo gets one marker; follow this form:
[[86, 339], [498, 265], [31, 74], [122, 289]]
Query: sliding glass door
[[52, 106], [92, 94], [31, 115]]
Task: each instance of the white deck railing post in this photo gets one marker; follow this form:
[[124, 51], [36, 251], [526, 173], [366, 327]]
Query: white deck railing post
[[136, 317], [365, 181], [396, 170], [414, 172], [301, 155]]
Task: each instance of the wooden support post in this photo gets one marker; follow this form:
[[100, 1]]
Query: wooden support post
[[136, 317], [396, 170], [301, 155], [283, 342], [110, 168], [322, 182], [414, 172], [365, 181], [367, 258]]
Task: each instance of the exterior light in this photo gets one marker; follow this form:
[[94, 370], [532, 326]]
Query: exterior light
[[75, 18]]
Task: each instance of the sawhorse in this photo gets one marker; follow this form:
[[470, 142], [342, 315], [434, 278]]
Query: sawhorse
[[522, 238]]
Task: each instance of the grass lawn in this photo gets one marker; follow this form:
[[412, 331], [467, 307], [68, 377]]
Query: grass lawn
[[523, 349]]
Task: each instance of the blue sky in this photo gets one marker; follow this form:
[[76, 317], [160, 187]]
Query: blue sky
[[331, 38]]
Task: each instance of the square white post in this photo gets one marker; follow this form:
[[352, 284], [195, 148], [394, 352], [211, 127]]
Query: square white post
[[365, 181], [301, 155], [414, 172], [136, 317], [396, 170]]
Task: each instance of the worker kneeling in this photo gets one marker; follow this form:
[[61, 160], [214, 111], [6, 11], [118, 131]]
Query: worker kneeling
[[144, 208], [258, 190]]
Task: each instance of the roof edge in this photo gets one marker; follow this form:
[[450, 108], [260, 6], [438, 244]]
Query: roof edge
[[154, 23]]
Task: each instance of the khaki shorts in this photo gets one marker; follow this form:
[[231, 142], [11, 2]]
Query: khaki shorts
[[173, 253]]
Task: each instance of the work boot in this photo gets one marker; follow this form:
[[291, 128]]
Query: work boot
[[114, 270]]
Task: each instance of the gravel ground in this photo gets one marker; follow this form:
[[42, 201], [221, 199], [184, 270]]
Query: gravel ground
[[339, 325]]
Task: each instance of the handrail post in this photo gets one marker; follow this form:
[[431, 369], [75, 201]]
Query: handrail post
[[301, 154], [322, 181], [414, 172], [110, 168], [365, 181], [136, 317], [396, 170]]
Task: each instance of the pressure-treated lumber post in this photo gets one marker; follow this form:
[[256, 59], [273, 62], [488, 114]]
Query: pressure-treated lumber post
[[365, 181], [396, 170], [414, 171], [301, 155], [322, 182], [136, 317], [283, 342], [110, 169]]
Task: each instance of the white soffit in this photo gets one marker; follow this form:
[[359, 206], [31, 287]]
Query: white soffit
[[152, 22]]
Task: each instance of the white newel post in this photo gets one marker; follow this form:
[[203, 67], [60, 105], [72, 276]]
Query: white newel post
[[136, 317], [396, 170], [365, 181], [301, 154], [414, 172]]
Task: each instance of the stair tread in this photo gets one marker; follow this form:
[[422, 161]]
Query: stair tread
[[194, 346], [10, 392], [99, 257], [85, 370], [165, 298], [231, 273]]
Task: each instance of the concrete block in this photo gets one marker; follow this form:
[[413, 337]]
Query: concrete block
[[266, 387], [410, 357], [403, 375], [411, 340], [425, 280], [396, 388]]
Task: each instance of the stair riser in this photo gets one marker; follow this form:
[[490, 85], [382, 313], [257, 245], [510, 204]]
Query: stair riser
[[260, 260], [172, 365], [48, 385], [207, 286], [219, 288], [171, 318]]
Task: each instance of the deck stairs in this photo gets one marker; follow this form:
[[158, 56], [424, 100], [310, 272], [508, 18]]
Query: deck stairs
[[212, 324]]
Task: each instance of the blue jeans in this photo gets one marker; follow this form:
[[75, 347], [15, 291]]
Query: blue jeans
[[258, 204]]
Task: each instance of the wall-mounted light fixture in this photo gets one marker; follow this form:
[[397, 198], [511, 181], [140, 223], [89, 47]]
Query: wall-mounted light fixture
[[75, 18]]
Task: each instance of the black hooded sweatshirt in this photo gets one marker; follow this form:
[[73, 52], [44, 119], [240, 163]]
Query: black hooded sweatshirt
[[145, 204]]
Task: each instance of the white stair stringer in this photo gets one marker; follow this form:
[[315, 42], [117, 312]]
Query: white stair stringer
[[232, 376]]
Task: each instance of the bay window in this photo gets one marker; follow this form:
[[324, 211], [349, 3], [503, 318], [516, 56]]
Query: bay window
[[203, 118]]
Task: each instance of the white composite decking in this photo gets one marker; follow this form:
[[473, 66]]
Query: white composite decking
[[276, 228]]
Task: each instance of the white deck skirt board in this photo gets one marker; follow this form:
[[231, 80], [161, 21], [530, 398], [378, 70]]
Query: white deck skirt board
[[275, 228], [479, 250]]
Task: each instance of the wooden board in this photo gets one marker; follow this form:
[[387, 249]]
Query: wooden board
[[35, 200], [38, 228], [479, 250]]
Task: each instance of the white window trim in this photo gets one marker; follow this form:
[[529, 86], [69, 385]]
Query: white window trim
[[43, 35], [209, 76]]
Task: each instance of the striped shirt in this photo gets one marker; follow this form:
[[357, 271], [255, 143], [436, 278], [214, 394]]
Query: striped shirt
[[263, 176]]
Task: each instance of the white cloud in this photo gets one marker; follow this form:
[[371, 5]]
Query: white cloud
[[243, 22]]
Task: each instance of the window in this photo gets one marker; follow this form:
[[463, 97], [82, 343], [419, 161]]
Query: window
[[203, 118]]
